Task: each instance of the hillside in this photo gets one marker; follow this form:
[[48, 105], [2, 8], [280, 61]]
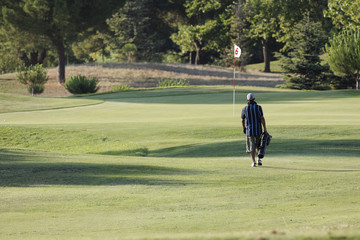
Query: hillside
[[145, 75]]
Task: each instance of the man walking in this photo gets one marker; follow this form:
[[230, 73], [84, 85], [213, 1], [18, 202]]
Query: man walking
[[252, 122]]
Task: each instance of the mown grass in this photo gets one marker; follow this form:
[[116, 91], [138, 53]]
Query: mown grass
[[170, 164]]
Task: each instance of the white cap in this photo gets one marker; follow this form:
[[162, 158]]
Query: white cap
[[250, 97]]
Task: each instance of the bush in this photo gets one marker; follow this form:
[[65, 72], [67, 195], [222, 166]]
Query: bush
[[120, 88], [169, 82], [81, 84], [36, 89], [34, 77]]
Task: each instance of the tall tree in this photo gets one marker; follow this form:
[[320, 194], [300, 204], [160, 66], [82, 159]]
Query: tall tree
[[292, 12], [141, 23], [302, 64], [206, 27], [272, 22], [264, 24], [239, 28], [60, 21]]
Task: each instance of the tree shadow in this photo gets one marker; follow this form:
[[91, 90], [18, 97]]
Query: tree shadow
[[218, 149], [293, 147], [314, 170], [24, 169], [305, 147]]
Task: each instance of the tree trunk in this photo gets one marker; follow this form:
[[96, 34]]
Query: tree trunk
[[266, 53], [190, 57], [197, 56], [62, 60]]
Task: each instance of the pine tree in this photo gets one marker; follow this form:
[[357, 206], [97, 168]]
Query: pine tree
[[302, 63]]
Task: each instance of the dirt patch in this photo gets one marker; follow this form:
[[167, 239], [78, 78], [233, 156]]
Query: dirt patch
[[145, 75]]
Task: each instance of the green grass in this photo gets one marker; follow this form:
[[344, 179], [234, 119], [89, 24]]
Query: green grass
[[274, 66], [170, 164], [19, 103]]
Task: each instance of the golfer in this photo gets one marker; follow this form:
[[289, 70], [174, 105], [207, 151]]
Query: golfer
[[252, 122]]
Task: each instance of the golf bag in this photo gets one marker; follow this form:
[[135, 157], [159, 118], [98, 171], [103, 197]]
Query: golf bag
[[264, 142]]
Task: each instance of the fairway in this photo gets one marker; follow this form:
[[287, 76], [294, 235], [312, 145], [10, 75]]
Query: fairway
[[171, 164]]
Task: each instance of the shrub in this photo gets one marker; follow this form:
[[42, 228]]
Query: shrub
[[34, 77], [81, 84], [36, 89], [120, 88], [169, 82]]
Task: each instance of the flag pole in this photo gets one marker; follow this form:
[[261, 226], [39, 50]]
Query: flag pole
[[237, 54], [234, 91]]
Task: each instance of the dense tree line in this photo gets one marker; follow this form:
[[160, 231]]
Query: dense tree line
[[53, 32]]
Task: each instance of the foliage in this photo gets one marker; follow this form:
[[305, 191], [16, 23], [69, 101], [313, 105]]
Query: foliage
[[80, 84], [198, 30], [24, 46], [129, 51], [59, 22], [239, 29], [169, 82], [90, 47], [302, 64], [8, 59], [205, 28], [34, 77], [344, 13], [270, 23], [341, 82], [292, 12], [173, 57], [344, 54], [263, 24], [142, 24], [36, 89], [120, 88]]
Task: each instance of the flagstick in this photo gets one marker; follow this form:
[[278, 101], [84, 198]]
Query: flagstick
[[234, 91]]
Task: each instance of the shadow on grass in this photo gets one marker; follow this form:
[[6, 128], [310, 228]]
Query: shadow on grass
[[22, 169], [314, 170], [305, 147], [277, 147], [218, 149]]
